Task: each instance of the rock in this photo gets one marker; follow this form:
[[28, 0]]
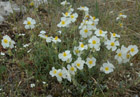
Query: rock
[[6, 8]]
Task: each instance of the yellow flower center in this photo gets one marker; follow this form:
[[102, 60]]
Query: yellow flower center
[[5, 41], [106, 68], [114, 34], [132, 50], [100, 32], [72, 68], [119, 54], [112, 43], [93, 42], [121, 24], [46, 35], [60, 74], [77, 51], [82, 45], [86, 30], [90, 62], [56, 38], [64, 54], [87, 16], [66, 13], [72, 16], [93, 18], [32, 4], [54, 72], [83, 7], [128, 56], [63, 22], [78, 64], [29, 23], [121, 14], [92, 24]]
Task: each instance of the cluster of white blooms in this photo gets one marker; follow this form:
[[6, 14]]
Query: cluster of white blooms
[[71, 69], [7, 42], [68, 17], [88, 24], [95, 37], [91, 40], [124, 54], [60, 73], [48, 39]]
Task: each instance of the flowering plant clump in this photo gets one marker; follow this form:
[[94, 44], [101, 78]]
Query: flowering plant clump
[[78, 53], [92, 39]]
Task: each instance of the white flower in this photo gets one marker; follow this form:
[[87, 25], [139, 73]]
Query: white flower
[[91, 62], [64, 22], [29, 51], [1, 53], [79, 63], [66, 14], [48, 39], [107, 68], [56, 39], [99, 32], [62, 74], [94, 42], [76, 51], [29, 23], [72, 69], [65, 55], [73, 17], [94, 19], [21, 34], [12, 43], [93, 26], [26, 45], [131, 64], [59, 75], [42, 32], [114, 35], [121, 16], [44, 82], [66, 74], [65, 3], [49, 96], [69, 60], [119, 56], [85, 32], [82, 46], [53, 72], [112, 44], [83, 8], [126, 57], [133, 49], [59, 32], [7, 42], [122, 55], [32, 85], [85, 24]]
